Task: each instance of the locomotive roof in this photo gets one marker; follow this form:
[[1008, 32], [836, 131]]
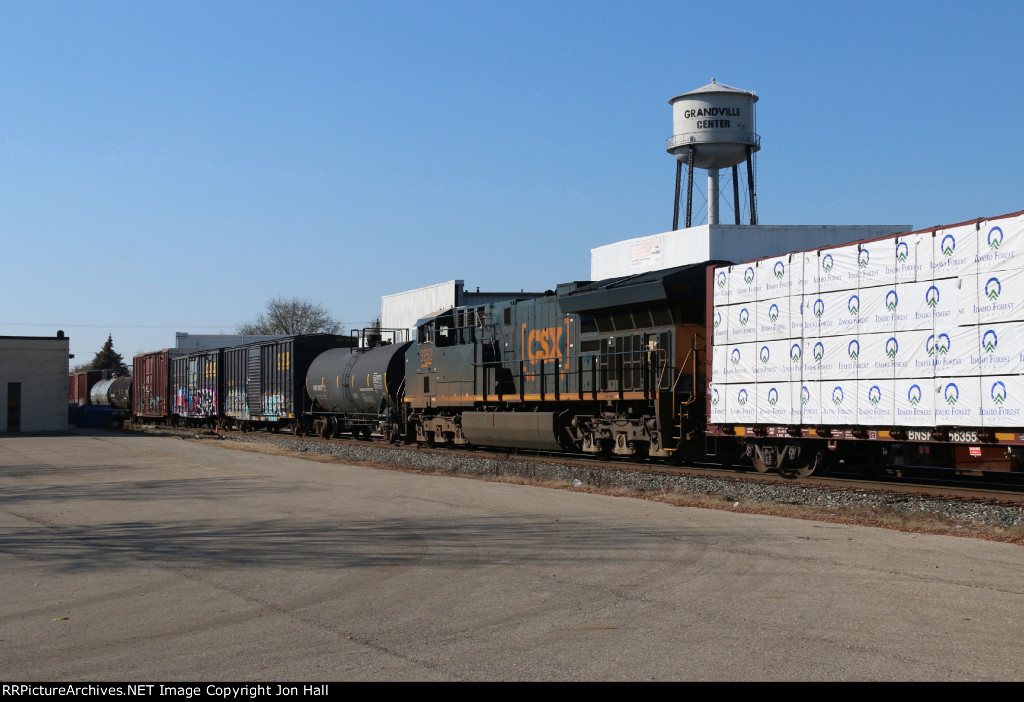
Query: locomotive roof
[[681, 283]]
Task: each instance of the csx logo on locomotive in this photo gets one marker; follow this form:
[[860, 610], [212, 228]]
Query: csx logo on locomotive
[[543, 344]]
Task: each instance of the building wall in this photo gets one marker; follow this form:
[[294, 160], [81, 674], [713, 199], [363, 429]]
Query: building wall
[[401, 310], [40, 364], [722, 242]]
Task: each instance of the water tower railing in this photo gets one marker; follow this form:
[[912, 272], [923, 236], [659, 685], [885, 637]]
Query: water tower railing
[[720, 137]]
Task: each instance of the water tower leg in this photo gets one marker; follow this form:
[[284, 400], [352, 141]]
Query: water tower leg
[[689, 188], [675, 211], [736, 191], [750, 185], [712, 196]]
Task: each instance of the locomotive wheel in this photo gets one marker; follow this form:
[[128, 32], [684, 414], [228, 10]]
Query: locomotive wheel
[[604, 450], [639, 454], [449, 442]]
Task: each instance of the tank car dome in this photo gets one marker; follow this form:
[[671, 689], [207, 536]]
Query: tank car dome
[[716, 122]]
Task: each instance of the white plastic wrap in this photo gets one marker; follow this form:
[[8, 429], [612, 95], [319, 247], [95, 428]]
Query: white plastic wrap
[[878, 306], [1001, 245], [740, 363], [914, 258], [773, 317], [1002, 401], [774, 277], [954, 251], [1000, 349], [954, 351], [875, 403], [741, 321], [837, 269], [774, 404], [742, 283], [839, 402], [809, 396], [958, 401], [720, 365], [876, 263], [740, 403], [718, 394], [914, 402], [720, 286]]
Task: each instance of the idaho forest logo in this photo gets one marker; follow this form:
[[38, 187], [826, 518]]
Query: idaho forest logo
[[931, 297], [951, 393], [721, 279], [765, 354], [891, 300], [718, 319], [948, 245], [714, 397], [748, 275], [819, 351], [794, 353], [805, 395], [998, 393], [891, 347], [914, 395], [993, 288], [735, 357], [819, 308], [773, 313], [744, 317], [773, 397], [780, 270], [995, 238], [874, 395], [989, 341], [741, 397], [853, 304], [862, 258], [937, 345], [902, 252], [826, 263], [837, 395], [853, 349]]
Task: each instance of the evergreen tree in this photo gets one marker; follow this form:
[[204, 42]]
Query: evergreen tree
[[109, 359]]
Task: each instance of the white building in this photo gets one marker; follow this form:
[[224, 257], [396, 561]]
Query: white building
[[33, 383], [722, 242]]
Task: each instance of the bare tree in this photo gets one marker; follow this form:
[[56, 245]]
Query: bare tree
[[290, 315]]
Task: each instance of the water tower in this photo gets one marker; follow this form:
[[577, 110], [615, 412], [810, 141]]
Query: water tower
[[714, 127]]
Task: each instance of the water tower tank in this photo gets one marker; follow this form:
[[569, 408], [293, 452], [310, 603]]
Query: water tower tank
[[716, 122]]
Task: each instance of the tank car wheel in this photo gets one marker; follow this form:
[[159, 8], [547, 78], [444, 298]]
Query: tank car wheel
[[325, 429]]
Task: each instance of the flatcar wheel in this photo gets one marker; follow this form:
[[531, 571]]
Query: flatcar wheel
[[806, 466], [759, 465]]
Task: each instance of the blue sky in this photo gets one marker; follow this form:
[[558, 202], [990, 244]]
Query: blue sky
[[169, 166]]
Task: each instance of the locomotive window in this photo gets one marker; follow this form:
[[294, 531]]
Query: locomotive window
[[662, 315], [592, 346], [623, 321], [587, 324], [508, 316], [604, 323], [642, 317]]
